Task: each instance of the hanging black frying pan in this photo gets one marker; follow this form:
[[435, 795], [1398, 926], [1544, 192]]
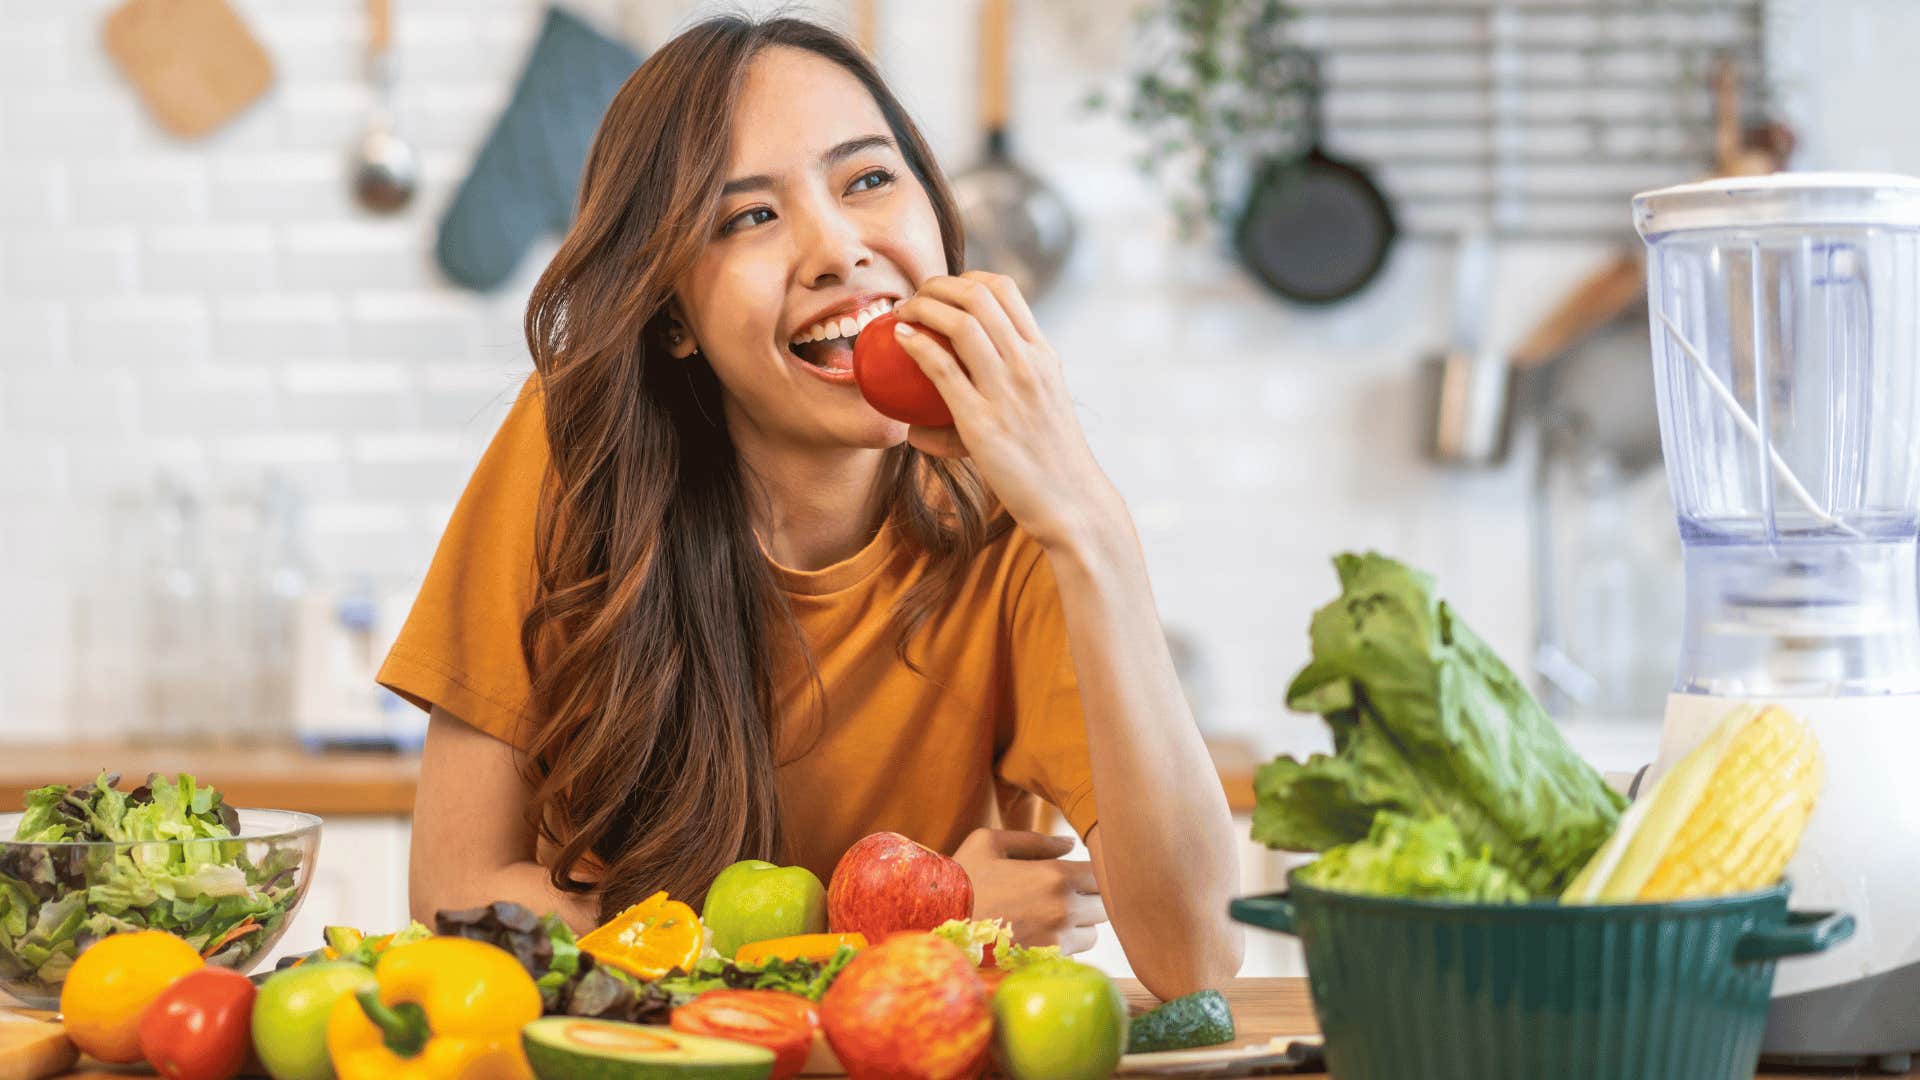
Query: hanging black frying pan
[[1315, 230]]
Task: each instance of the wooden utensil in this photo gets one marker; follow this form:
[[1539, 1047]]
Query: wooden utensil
[[194, 64], [1599, 298], [866, 27]]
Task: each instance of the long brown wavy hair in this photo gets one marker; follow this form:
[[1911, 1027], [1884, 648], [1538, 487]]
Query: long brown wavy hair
[[656, 621]]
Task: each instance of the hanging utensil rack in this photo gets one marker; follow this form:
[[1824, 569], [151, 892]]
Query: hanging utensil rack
[[1537, 119]]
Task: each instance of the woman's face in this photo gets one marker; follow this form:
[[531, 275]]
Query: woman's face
[[821, 224]]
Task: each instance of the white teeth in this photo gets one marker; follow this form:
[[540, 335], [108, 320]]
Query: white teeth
[[845, 326]]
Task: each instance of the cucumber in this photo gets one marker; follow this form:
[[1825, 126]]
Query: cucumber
[[1201, 1019]]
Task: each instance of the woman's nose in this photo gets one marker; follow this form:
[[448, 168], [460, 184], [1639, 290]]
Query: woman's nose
[[831, 248]]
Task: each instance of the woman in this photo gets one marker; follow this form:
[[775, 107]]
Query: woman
[[701, 603]]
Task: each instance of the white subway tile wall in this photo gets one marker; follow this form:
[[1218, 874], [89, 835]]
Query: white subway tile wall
[[220, 308]]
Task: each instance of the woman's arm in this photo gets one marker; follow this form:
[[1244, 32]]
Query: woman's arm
[[471, 841], [1163, 851]]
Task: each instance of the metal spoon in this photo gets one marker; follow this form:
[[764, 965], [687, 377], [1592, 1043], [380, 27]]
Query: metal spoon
[[384, 173]]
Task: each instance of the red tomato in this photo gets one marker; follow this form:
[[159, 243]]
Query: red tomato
[[200, 1027], [783, 1023], [891, 381]]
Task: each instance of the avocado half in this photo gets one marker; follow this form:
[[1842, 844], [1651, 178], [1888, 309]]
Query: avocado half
[[573, 1047]]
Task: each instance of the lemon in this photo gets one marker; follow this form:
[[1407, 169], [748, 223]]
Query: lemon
[[113, 982]]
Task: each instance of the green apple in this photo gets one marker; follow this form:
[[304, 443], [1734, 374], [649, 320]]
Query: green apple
[[755, 900], [1059, 1020], [290, 1017]]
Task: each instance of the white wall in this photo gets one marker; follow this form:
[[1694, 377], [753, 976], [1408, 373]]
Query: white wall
[[219, 308]]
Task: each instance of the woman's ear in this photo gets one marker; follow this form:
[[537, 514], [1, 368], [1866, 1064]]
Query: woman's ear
[[680, 340]]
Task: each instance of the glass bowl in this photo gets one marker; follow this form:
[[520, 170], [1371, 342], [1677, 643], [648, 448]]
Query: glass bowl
[[229, 898]]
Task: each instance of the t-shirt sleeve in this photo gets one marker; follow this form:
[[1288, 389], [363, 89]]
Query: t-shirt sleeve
[[460, 645], [1046, 753]]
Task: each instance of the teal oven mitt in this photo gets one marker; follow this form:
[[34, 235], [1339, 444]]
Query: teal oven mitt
[[525, 180]]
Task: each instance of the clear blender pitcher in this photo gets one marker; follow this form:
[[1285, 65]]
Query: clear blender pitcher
[[1785, 313]]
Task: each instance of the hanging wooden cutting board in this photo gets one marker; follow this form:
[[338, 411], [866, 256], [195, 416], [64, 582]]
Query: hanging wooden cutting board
[[193, 62]]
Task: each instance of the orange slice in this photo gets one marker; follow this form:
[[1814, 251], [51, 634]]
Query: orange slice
[[649, 939]]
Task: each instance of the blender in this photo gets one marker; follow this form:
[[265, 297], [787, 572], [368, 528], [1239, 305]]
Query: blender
[[1785, 312]]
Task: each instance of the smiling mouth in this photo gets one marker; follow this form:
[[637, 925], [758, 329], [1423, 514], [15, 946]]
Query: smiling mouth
[[828, 344]]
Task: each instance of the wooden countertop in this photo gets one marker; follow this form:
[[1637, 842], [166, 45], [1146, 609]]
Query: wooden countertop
[[336, 783], [1262, 1009], [282, 777]]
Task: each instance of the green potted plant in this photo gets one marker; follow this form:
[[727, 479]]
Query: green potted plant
[[1218, 90]]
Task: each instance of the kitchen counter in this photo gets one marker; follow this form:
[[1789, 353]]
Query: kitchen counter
[[1262, 1009], [378, 784], [282, 777]]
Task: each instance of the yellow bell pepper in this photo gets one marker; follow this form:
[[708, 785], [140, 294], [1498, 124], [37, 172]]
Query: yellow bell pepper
[[438, 1009]]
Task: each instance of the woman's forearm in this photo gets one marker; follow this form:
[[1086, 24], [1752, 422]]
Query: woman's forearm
[[471, 842], [523, 883], [1164, 846]]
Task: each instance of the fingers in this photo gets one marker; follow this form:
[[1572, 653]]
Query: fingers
[[1021, 844], [956, 389], [1085, 910], [972, 294], [1080, 876], [985, 366], [943, 442], [1077, 940], [1014, 304]]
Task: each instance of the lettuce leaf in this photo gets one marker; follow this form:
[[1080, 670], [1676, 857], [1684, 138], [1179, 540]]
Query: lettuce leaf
[[1015, 957], [808, 978], [973, 937], [1404, 856], [1428, 723]]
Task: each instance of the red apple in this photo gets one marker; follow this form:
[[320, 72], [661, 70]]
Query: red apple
[[909, 1008], [886, 883]]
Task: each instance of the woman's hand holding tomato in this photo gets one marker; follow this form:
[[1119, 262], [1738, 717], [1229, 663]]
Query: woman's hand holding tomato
[[1011, 411]]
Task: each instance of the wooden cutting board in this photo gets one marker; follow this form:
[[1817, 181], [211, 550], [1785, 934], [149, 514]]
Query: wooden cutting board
[[32, 1049], [193, 62]]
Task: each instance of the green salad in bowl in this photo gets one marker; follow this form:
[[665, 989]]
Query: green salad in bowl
[[83, 862]]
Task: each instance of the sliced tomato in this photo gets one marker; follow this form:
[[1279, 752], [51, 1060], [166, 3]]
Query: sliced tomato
[[892, 381], [783, 1023]]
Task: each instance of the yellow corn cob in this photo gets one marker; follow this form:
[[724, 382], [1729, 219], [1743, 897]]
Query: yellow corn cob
[[1749, 820]]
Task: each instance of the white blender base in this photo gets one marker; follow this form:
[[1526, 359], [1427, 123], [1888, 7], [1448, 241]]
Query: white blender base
[[1861, 855]]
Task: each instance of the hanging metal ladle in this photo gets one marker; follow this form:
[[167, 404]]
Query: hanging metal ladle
[[384, 172]]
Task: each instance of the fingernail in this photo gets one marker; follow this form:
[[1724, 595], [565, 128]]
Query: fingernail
[[903, 330]]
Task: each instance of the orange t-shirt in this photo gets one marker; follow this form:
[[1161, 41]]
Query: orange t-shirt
[[996, 718]]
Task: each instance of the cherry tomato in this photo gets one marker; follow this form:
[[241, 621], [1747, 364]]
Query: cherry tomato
[[200, 1027], [891, 381], [783, 1023]]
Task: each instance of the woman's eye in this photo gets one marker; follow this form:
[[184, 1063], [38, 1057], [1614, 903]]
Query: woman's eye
[[871, 179], [758, 215]]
